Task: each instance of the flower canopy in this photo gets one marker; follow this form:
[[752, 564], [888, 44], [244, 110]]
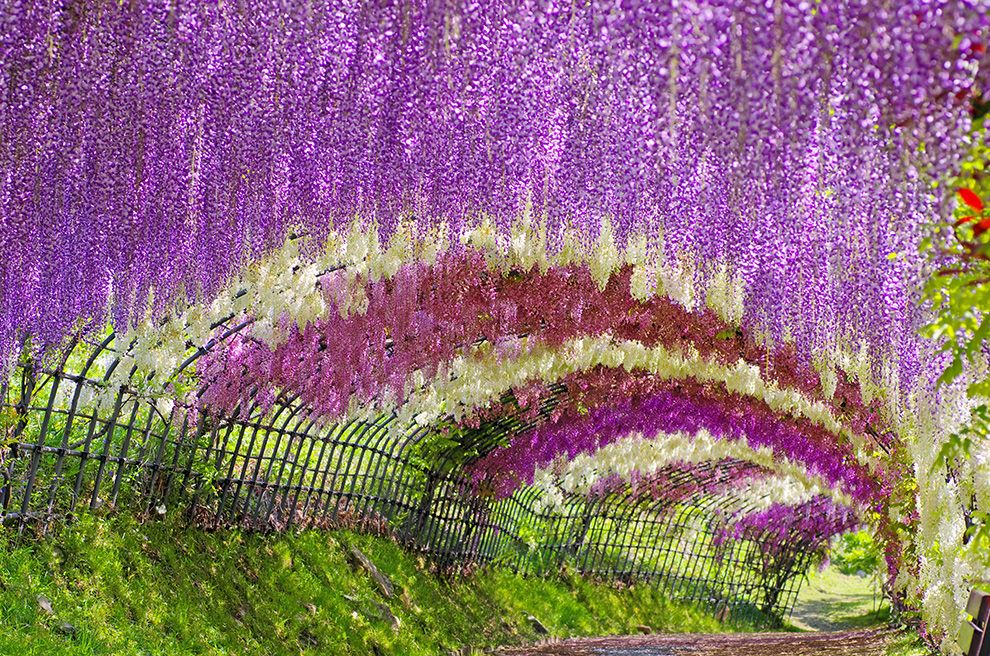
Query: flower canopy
[[148, 151]]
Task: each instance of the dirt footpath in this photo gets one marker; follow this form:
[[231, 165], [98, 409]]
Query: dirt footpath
[[846, 643]]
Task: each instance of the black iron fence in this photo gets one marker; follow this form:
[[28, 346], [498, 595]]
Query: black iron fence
[[72, 444]]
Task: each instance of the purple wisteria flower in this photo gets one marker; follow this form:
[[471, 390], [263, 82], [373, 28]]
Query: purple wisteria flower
[[148, 147]]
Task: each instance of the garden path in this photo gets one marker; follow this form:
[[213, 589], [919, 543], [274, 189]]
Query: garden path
[[832, 601], [847, 643]]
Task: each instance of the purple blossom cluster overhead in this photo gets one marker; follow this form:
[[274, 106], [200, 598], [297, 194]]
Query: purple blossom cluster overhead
[[148, 146], [813, 522]]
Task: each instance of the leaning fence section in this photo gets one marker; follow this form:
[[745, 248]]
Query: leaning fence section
[[72, 445]]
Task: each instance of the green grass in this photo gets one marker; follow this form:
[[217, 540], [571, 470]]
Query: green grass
[[907, 643], [832, 601], [160, 588]]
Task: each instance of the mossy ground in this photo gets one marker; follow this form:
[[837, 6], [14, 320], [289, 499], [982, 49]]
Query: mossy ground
[[121, 587]]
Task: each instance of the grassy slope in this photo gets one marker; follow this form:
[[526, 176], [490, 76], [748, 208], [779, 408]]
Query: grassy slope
[[128, 588]]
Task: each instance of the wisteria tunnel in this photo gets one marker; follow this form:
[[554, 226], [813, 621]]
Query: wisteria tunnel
[[641, 291], [707, 522]]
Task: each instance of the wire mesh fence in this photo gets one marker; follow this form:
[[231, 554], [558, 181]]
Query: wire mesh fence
[[74, 445]]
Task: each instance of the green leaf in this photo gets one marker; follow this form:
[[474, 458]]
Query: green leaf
[[953, 371]]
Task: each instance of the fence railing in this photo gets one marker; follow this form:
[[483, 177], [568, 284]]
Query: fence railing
[[65, 452]]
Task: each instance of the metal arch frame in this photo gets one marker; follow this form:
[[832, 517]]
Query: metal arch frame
[[721, 474], [623, 505], [594, 565]]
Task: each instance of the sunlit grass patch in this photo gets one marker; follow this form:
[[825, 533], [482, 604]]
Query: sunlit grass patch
[[120, 587]]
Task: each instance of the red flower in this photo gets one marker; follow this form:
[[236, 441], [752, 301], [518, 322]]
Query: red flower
[[971, 199], [963, 221], [981, 227]]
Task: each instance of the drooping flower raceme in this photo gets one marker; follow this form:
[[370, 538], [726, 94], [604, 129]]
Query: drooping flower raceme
[[684, 408], [759, 139], [636, 457], [811, 523], [773, 163], [425, 315]]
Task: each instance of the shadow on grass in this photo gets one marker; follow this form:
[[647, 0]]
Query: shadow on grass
[[832, 601]]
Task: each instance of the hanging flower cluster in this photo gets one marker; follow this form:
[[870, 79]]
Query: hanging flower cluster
[[774, 509], [635, 458], [680, 213], [758, 138], [682, 407], [597, 371], [423, 316], [812, 523]]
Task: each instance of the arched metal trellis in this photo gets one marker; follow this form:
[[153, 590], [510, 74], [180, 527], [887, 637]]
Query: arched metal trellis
[[73, 444]]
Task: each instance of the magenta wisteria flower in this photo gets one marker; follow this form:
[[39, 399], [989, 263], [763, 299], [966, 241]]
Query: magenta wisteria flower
[[811, 524], [426, 315], [670, 408]]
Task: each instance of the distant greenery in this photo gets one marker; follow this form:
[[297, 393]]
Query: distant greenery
[[856, 552], [120, 587], [832, 600], [859, 554]]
